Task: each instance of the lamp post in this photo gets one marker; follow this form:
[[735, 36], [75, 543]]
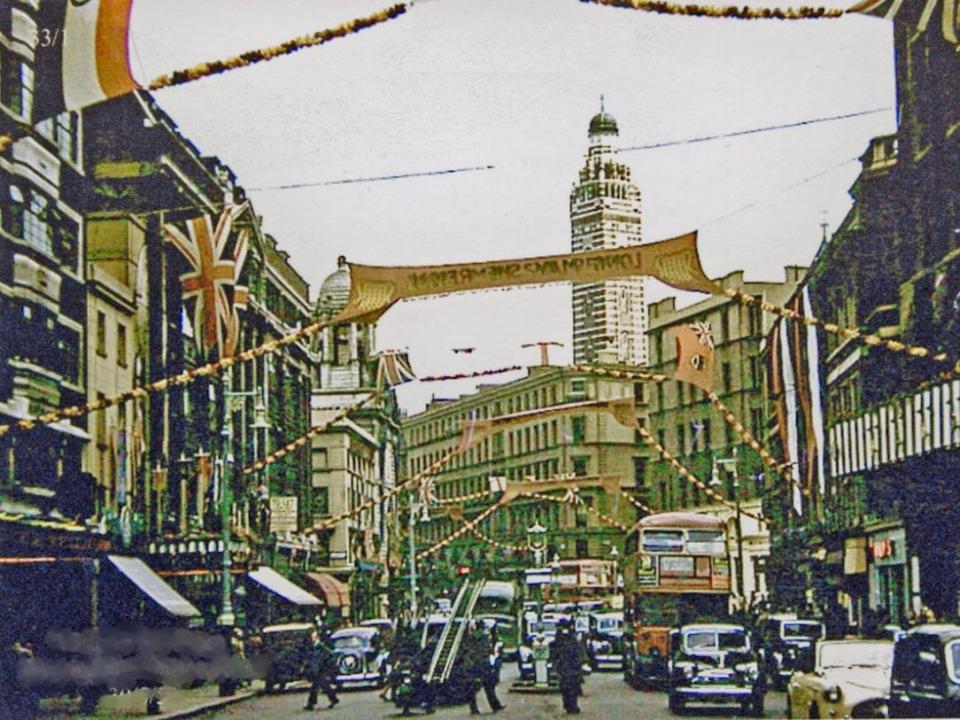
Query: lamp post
[[259, 423], [555, 578], [227, 463], [730, 464], [415, 509], [615, 557], [536, 542]]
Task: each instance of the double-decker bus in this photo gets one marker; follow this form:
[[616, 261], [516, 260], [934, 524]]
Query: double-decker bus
[[679, 573]]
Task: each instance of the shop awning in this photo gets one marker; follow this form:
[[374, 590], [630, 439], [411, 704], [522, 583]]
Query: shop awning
[[279, 585], [140, 574], [335, 592]]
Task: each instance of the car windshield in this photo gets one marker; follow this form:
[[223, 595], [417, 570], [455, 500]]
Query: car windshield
[[546, 628], [700, 640], [811, 630], [856, 654], [345, 642]]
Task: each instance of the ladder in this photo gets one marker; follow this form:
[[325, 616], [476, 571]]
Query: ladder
[[448, 647]]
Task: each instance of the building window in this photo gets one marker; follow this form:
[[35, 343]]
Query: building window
[[101, 334], [706, 431], [754, 371], [727, 377], [725, 324], [321, 501], [681, 439], [579, 428], [17, 88], [680, 393], [582, 548], [660, 407], [121, 345], [756, 422], [320, 459], [578, 387], [580, 466], [639, 471]]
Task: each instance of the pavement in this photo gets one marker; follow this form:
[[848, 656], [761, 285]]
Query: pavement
[[174, 703]]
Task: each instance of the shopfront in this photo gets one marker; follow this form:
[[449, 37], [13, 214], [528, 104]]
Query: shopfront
[[889, 586]]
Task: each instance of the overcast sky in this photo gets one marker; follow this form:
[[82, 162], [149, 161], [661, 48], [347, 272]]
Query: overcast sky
[[513, 84]]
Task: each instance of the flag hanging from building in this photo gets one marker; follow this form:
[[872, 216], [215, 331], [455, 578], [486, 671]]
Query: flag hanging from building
[[393, 368], [949, 13], [216, 256], [82, 54], [695, 355], [796, 393]]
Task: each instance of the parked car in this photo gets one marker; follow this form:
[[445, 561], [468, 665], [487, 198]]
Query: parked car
[[605, 640], [360, 656], [715, 664], [785, 644], [847, 679], [284, 646], [926, 673]]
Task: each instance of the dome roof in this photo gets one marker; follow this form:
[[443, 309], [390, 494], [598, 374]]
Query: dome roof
[[335, 290], [603, 123]]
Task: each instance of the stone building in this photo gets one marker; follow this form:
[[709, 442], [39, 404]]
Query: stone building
[[690, 427], [605, 213]]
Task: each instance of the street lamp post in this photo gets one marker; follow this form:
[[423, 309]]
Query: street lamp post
[[731, 464], [536, 541], [227, 463], [555, 578], [415, 509]]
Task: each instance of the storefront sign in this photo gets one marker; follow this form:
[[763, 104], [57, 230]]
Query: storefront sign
[[646, 570], [911, 426], [676, 566], [888, 548], [283, 514]]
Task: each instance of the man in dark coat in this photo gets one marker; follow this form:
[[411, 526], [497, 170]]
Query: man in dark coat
[[567, 664], [491, 676], [321, 669]]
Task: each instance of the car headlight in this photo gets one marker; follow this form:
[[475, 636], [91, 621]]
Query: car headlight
[[832, 694]]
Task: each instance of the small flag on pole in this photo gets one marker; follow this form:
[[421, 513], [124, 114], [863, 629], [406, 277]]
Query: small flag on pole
[[393, 369]]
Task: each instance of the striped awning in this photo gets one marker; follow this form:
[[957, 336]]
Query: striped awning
[[335, 592]]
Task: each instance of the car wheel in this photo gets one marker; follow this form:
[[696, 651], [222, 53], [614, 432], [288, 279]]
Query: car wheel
[[814, 711], [871, 709], [676, 704], [269, 686]]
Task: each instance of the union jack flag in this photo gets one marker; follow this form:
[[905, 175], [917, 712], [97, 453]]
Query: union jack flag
[[393, 368], [216, 257]]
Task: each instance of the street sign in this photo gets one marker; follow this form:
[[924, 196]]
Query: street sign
[[283, 514]]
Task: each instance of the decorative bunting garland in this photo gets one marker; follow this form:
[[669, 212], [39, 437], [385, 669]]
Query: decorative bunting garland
[[637, 504], [397, 489], [466, 376], [464, 498], [771, 462], [160, 386], [310, 434], [496, 543], [726, 11], [833, 328], [466, 527], [601, 516], [251, 57], [728, 416], [686, 474]]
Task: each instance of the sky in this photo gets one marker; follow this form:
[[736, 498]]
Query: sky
[[513, 84]]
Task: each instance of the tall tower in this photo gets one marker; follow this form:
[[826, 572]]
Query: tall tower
[[605, 213]]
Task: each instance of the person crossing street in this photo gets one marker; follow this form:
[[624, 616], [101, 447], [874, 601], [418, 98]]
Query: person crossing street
[[569, 668], [320, 669]]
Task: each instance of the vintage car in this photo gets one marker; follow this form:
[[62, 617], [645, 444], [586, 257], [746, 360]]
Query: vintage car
[[714, 664], [605, 640], [284, 646], [847, 679], [360, 656], [926, 673], [785, 644]]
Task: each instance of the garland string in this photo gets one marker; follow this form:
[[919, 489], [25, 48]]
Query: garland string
[[724, 11]]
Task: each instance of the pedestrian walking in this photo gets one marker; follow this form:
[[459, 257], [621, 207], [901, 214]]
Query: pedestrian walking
[[491, 677], [467, 675], [567, 663], [320, 669]]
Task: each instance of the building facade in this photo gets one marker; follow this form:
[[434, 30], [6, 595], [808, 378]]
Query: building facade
[[355, 461], [588, 444], [605, 213], [874, 543], [691, 428]]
